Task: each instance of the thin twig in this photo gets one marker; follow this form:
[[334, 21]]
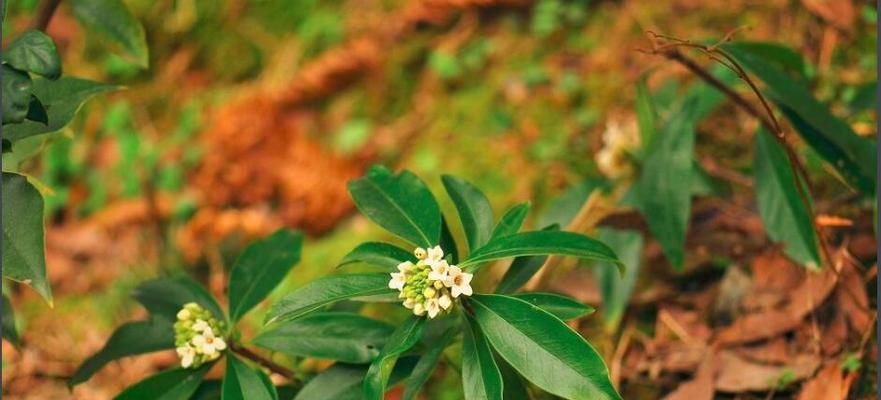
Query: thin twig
[[44, 14], [271, 365]]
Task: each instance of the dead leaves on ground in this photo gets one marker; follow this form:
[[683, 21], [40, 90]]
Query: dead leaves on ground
[[790, 331]]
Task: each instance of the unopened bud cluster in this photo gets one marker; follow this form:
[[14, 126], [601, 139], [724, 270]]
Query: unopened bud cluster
[[430, 285], [197, 336]]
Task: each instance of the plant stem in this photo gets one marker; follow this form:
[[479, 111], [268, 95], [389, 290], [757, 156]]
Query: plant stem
[[271, 365], [44, 14]]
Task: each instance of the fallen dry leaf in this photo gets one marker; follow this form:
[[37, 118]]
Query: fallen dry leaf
[[827, 385], [740, 375], [813, 290]]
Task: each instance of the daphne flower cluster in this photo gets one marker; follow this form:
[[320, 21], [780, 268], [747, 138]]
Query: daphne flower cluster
[[197, 336], [430, 285]]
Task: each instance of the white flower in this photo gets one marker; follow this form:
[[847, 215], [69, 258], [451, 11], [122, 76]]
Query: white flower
[[398, 280], [209, 344], [184, 314], [419, 309], [187, 355], [432, 306], [405, 266], [200, 326], [439, 271], [409, 303], [419, 253], [445, 302], [435, 254], [459, 282]]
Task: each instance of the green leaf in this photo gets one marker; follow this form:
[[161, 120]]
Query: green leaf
[[344, 337], [615, 289], [425, 366], [481, 378], [542, 348], [783, 57], [129, 339], [511, 222], [113, 21], [242, 382], [24, 258], [522, 269], [209, 389], [541, 243], [260, 268], [326, 290], [403, 338], [173, 384], [164, 297], [854, 157], [17, 88], [380, 254], [474, 209], [61, 99], [663, 189], [345, 382], [785, 215], [562, 307], [646, 115], [401, 204], [34, 52], [339, 382], [7, 322], [513, 385]]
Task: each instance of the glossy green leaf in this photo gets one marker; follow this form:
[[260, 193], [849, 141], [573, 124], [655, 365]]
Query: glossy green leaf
[[7, 322], [783, 57], [541, 243], [339, 382], [384, 255], [403, 338], [614, 288], [853, 156], [425, 366], [113, 21], [865, 97], [61, 99], [242, 382], [17, 88], [345, 381], [326, 290], [512, 221], [521, 270], [562, 307], [129, 339], [34, 52], [542, 348], [24, 258], [260, 268], [339, 336], [401, 203], [481, 378], [173, 384], [475, 212], [514, 386], [663, 190], [209, 389], [164, 297], [785, 215]]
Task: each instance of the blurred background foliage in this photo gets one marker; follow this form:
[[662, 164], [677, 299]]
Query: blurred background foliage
[[253, 114]]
